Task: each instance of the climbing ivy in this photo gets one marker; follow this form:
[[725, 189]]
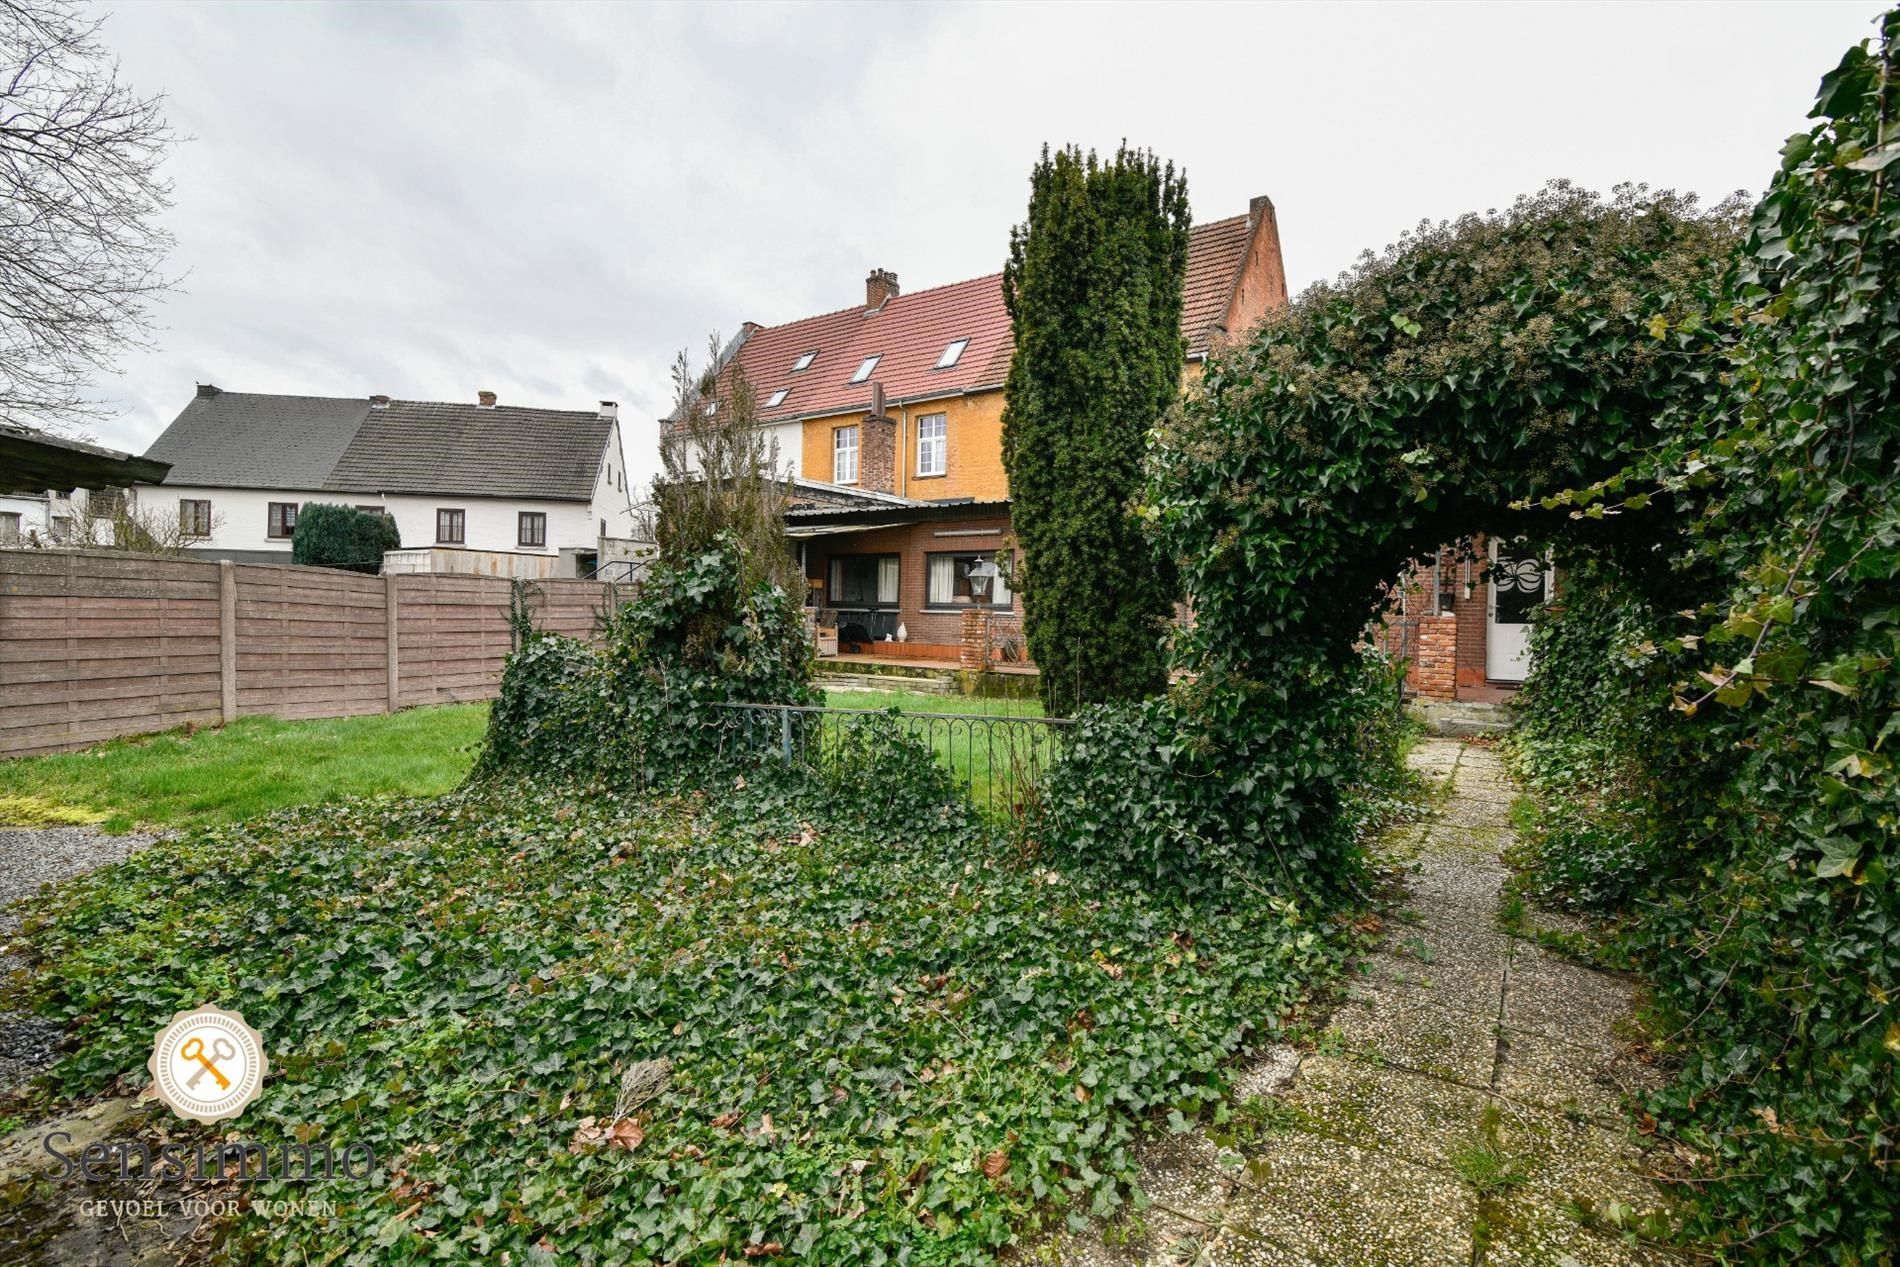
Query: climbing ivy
[[645, 708], [1750, 747]]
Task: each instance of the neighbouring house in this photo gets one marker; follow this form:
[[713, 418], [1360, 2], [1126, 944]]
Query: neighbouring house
[[56, 491], [481, 479], [888, 418]]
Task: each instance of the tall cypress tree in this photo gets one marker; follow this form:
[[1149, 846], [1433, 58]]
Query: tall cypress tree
[[1093, 285]]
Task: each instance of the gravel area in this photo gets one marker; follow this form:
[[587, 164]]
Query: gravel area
[[29, 859]]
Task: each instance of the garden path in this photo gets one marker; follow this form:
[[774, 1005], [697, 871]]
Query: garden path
[[1464, 1108]]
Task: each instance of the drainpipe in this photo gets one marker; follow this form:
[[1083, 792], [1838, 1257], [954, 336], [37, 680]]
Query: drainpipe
[[903, 431]]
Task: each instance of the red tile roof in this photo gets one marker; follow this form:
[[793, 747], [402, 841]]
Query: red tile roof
[[909, 333]]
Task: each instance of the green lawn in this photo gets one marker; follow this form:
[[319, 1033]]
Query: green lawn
[[920, 702], [234, 772], [259, 764]]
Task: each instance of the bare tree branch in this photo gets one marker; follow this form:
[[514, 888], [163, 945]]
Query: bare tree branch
[[80, 198]]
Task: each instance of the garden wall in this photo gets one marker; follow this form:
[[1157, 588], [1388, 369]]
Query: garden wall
[[96, 644]]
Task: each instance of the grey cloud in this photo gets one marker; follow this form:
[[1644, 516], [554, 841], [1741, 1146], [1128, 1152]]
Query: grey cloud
[[549, 200]]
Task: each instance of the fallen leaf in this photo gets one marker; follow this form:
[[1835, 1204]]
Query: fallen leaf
[[995, 1164], [763, 1249], [726, 1121], [1082, 1094], [627, 1134]]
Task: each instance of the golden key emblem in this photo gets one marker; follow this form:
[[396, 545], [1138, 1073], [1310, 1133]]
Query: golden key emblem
[[194, 1049]]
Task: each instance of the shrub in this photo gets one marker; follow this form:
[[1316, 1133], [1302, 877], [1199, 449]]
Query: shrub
[[646, 709], [342, 537], [1222, 783]]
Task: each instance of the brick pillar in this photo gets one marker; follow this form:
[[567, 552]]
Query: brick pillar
[[1434, 670], [975, 652]]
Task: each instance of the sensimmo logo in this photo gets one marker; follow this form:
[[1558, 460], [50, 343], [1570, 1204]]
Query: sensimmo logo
[[207, 1065]]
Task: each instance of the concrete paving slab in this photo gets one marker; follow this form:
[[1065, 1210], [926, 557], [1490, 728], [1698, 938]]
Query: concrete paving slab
[[1412, 1027], [1312, 1200], [1421, 1119]]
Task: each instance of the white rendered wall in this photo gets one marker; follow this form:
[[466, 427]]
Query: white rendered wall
[[240, 517]]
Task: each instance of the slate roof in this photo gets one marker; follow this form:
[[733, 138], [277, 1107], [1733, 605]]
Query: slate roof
[[250, 440], [253, 440], [419, 446], [909, 334]]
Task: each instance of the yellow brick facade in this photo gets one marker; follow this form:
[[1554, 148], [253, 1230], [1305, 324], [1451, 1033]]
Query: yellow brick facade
[[973, 465]]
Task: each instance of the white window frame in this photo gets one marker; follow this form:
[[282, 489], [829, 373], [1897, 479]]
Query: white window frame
[[952, 353], [777, 398], [841, 451], [933, 451], [867, 367], [804, 361]]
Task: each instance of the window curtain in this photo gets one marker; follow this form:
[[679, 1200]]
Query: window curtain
[[887, 580], [943, 580]]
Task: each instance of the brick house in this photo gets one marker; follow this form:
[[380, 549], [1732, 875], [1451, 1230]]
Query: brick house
[[1463, 621], [888, 418]]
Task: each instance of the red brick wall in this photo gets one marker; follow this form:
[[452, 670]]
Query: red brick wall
[[911, 543]]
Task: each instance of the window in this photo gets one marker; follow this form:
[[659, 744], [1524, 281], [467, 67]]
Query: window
[[105, 503], [283, 520], [865, 367], [952, 353], [864, 580], [844, 455], [964, 580], [9, 527], [803, 362], [451, 526], [532, 528], [371, 510], [194, 517], [777, 398], [933, 439]]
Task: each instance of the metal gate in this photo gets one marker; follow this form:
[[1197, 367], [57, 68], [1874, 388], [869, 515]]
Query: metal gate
[[998, 761]]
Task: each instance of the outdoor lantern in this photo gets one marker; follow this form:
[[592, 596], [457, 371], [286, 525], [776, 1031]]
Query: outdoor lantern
[[981, 572]]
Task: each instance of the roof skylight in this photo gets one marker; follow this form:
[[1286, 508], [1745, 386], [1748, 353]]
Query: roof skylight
[[866, 366], [804, 362], [777, 398], [952, 353]]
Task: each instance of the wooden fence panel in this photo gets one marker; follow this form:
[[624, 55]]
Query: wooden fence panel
[[94, 645], [452, 636], [98, 644]]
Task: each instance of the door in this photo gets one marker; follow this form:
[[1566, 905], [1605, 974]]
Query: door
[[1519, 582]]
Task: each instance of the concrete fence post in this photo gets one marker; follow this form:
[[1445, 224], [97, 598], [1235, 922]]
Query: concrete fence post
[[391, 670], [227, 641]]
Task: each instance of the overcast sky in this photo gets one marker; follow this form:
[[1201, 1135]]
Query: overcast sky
[[549, 200]]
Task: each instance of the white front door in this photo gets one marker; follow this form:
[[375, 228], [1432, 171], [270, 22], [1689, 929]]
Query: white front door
[[1519, 582]]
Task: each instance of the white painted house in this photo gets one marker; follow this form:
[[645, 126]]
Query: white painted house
[[478, 477]]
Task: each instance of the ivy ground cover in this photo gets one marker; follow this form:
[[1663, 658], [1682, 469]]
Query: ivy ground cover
[[885, 1046]]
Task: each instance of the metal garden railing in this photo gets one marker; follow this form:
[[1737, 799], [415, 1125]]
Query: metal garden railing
[[997, 760]]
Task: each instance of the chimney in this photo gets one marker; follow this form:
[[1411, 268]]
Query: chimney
[[879, 287], [207, 390], [609, 411], [379, 402], [486, 400], [877, 447], [1259, 207]]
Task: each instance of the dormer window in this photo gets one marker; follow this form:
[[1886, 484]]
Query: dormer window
[[712, 407], [952, 353], [865, 367], [803, 362], [777, 398]]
